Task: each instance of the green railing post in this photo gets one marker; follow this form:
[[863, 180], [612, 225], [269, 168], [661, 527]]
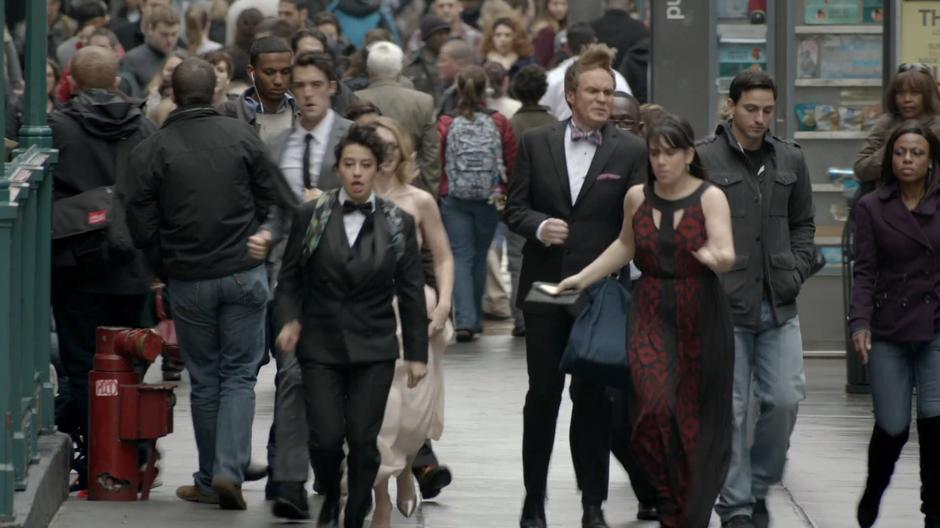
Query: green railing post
[[32, 385], [36, 132], [21, 368], [3, 102], [7, 216], [26, 398]]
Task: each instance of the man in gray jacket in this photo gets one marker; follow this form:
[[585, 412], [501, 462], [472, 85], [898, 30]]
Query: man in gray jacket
[[769, 191], [305, 155]]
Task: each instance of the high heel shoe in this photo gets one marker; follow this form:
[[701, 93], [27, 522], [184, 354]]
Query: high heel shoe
[[407, 497]]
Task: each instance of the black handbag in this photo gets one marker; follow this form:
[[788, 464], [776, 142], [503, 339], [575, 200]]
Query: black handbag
[[89, 229], [597, 345]]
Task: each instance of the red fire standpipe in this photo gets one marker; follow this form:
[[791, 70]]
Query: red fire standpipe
[[125, 414]]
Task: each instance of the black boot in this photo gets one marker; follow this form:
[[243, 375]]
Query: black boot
[[883, 453], [533, 513], [593, 517], [929, 431]]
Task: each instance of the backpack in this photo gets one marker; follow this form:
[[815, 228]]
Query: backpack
[[473, 160]]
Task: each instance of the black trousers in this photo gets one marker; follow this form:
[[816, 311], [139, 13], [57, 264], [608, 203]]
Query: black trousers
[[425, 456], [589, 435], [347, 402], [77, 316]]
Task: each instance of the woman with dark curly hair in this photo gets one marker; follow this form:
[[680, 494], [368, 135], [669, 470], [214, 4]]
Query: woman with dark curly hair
[[507, 43], [349, 256]]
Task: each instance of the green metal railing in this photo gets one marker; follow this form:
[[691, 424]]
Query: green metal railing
[[26, 396]]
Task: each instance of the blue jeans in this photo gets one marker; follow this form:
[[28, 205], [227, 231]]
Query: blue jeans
[[768, 371], [895, 369], [220, 325], [470, 226]]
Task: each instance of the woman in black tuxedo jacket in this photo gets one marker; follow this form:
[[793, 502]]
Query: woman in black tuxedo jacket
[[349, 255]]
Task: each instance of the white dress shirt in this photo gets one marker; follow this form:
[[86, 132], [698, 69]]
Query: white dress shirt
[[353, 221], [578, 158], [554, 97], [292, 162]]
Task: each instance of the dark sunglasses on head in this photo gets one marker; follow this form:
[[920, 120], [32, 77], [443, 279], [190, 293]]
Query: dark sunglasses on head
[[919, 66]]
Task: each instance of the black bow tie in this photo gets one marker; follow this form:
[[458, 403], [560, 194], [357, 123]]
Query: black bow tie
[[364, 208]]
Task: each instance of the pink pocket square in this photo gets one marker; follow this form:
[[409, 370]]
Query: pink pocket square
[[608, 176]]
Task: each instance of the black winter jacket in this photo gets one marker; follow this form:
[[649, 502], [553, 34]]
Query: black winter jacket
[[88, 132], [772, 219], [201, 186]]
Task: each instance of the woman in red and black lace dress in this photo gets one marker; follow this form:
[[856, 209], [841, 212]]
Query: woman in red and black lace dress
[[677, 230]]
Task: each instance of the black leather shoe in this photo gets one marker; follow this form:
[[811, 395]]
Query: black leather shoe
[[255, 472], [432, 479], [647, 512], [329, 513], [593, 517], [292, 502], [533, 514]]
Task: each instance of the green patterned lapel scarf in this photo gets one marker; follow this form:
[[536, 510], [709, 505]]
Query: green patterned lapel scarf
[[324, 209]]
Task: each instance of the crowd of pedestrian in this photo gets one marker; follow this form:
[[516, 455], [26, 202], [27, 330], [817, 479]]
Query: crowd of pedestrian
[[335, 185]]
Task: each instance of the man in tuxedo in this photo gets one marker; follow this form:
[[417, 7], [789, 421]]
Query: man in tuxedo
[[568, 205]]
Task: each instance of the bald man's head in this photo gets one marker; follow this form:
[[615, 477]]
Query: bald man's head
[[95, 67]]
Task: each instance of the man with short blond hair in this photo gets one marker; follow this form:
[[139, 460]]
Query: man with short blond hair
[[162, 33], [567, 222]]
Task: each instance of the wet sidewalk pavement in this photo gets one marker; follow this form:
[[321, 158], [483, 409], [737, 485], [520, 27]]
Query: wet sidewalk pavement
[[486, 384]]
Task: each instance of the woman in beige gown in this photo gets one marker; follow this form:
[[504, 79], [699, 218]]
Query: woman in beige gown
[[413, 415]]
